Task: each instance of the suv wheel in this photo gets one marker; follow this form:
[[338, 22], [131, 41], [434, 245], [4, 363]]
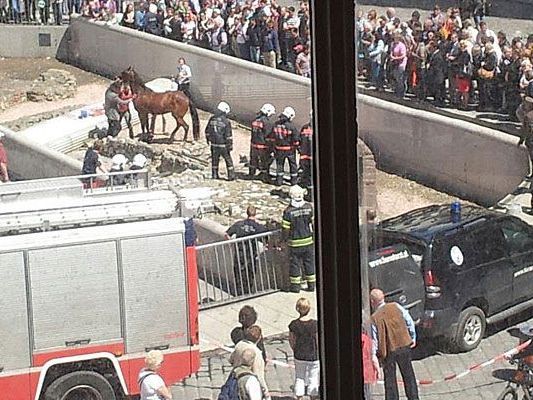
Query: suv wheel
[[470, 329]]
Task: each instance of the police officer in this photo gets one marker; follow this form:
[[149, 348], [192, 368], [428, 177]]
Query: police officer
[[306, 157], [111, 108], [153, 22], [219, 136], [286, 142], [259, 149], [244, 266], [297, 226]]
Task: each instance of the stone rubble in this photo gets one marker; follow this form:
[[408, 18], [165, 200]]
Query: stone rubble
[[189, 166], [53, 84]]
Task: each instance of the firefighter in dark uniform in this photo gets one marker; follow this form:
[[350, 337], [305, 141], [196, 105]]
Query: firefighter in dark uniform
[[219, 136], [245, 261], [286, 141], [306, 158], [259, 148], [297, 225]]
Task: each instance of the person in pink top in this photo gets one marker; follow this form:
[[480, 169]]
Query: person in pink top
[[399, 62]]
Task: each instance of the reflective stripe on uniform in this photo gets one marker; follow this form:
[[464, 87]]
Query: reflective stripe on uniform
[[310, 278], [301, 242], [295, 280], [285, 224]]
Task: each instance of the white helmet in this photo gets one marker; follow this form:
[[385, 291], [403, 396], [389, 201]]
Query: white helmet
[[268, 109], [224, 107], [289, 113], [139, 160], [297, 193], [119, 160]]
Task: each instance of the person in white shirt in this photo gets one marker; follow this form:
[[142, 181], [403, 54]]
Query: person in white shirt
[[151, 385], [251, 337], [184, 75], [249, 386]]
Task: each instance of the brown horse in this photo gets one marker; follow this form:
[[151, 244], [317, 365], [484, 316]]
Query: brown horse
[[149, 102]]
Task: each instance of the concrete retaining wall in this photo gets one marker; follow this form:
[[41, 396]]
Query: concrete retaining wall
[[32, 161], [30, 40], [459, 157], [500, 8]]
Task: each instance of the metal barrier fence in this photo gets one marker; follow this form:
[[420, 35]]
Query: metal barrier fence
[[237, 269]]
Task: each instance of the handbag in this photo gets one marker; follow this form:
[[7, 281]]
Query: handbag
[[485, 74]]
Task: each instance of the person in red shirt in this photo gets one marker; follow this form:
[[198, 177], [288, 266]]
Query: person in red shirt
[[125, 97], [4, 175], [370, 365]]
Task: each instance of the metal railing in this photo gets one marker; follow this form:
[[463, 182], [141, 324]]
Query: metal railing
[[237, 269]]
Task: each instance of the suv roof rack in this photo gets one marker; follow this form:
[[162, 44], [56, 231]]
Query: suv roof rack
[[427, 222]]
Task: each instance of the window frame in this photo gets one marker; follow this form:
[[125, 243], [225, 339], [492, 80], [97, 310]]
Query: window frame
[[336, 196]]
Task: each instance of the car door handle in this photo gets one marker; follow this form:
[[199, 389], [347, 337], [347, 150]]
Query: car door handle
[[70, 343], [161, 347]]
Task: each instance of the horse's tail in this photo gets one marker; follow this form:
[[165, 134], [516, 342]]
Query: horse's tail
[[195, 120]]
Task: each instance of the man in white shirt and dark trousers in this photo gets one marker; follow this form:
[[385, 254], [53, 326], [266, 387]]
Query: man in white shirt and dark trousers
[[183, 77]]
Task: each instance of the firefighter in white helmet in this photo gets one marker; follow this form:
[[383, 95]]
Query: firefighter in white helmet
[[219, 136], [286, 142], [297, 226], [119, 162], [139, 162], [259, 148]]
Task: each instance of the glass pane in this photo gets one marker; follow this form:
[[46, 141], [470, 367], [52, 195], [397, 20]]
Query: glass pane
[[193, 164], [447, 224]]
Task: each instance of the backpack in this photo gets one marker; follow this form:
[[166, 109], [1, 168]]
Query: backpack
[[230, 389]]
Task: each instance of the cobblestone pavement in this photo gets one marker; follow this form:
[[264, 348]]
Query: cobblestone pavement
[[431, 363]]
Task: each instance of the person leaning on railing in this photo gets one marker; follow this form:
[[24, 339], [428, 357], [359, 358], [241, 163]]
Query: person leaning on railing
[[92, 164]]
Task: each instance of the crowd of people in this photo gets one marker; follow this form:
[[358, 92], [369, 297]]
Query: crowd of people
[[260, 31], [451, 56]]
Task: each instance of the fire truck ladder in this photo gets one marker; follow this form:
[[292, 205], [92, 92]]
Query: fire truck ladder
[[67, 202]]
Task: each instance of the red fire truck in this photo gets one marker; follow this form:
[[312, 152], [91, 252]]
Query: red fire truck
[[91, 280]]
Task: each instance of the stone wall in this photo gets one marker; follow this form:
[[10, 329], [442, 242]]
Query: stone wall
[[30, 41]]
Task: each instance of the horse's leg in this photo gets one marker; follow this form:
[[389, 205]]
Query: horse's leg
[[179, 123], [152, 125], [164, 123], [143, 119]]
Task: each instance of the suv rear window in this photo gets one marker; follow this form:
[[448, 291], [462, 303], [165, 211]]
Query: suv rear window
[[417, 250]]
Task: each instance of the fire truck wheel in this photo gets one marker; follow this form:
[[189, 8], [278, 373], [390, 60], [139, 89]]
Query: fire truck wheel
[[80, 385]]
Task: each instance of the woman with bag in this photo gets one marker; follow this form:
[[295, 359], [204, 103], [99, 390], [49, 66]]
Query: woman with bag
[[303, 339], [486, 75], [151, 385], [463, 78]]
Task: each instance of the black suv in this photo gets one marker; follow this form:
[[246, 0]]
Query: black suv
[[476, 267]]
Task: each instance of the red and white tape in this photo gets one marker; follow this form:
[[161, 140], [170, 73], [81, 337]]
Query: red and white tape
[[475, 367], [424, 382]]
